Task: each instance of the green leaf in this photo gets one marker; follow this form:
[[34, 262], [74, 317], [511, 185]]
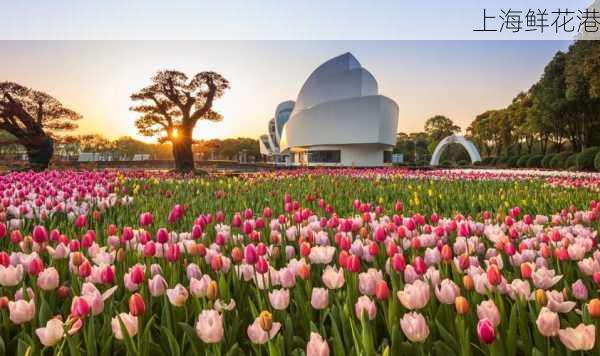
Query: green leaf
[[192, 336], [173, 345], [450, 340], [511, 335]]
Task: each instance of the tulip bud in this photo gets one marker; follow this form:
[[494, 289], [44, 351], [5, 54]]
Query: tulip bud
[[36, 265], [486, 331], [468, 282], [80, 307], [212, 291], [64, 292], [382, 290], [237, 255], [594, 308], [446, 253], [304, 271], [266, 320], [526, 270], [540, 297], [493, 275], [85, 269], [4, 302], [137, 306], [462, 305]]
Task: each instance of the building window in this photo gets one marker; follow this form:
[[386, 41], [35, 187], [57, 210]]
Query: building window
[[387, 156], [324, 156]]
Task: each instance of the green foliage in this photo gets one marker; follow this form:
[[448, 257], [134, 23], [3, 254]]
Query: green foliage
[[585, 159], [571, 162], [547, 159], [535, 161], [558, 161], [512, 161], [522, 161], [562, 106], [463, 163], [597, 162]]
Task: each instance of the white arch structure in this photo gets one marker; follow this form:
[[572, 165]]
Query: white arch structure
[[468, 145]]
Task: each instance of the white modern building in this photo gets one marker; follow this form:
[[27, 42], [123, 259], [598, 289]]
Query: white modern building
[[338, 119], [269, 144]]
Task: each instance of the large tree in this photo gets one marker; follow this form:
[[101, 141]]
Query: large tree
[[33, 117], [439, 127], [172, 105]]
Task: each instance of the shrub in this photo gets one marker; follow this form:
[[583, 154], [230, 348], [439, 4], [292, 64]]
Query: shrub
[[488, 161], [535, 161], [446, 163], [546, 160], [585, 159], [571, 161], [558, 161], [522, 161], [463, 163], [512, 161], [597, 162], [502, 160]]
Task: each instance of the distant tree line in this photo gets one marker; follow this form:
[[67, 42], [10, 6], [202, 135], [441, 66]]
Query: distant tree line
[[561, 112], [554, 124], [126, 148]]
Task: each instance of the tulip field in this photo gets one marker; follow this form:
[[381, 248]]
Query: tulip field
[[300, 262]]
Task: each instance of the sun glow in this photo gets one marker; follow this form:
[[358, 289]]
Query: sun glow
[[175, 134]]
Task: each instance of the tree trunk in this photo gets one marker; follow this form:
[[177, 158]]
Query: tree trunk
[[39, 152], [182, 153]]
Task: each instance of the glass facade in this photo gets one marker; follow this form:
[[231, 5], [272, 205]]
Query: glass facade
[[387, 156], [333, 156], [282, 117]]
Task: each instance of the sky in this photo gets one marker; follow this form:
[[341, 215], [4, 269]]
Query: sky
[[268, 19], [459, 79]]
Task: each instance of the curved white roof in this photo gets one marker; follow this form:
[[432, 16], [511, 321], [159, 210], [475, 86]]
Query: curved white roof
[[341, 77], [339, 104]]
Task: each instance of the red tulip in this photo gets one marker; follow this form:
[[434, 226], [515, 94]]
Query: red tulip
[[137, 306]]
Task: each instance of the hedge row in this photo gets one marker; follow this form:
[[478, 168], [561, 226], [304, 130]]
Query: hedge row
[[587, 160]]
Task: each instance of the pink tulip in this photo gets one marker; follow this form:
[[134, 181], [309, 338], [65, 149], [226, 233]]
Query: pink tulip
[[548, 322], [319, 298], [582, 338], [414, 327], [488, 310], [257, 335], [157, 285], [11, 276], [178, 295], [557, 304], [544, 278], [279, 298], [21, 311], [130, 323], [486, 331], [199, 287], [415, 295], [39, 234], [52, 333], [367, 281], [80, 307], [146, 219], [367, 306], [317, 346], [209, 327], [447, 292], [333, 278], [48, 279], [580, 291]]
